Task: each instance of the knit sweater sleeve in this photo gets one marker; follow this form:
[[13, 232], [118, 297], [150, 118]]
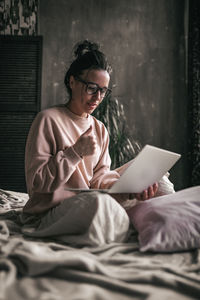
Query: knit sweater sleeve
[[46, 167]]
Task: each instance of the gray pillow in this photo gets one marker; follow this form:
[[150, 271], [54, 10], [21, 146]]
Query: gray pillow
[[168, 223]]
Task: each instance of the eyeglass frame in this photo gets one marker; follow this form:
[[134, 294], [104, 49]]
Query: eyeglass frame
[[108, 91]]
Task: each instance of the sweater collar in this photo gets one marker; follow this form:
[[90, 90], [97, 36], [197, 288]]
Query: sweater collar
[[75, 117]]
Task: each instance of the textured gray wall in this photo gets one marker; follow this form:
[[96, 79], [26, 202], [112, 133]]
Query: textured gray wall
[[145, 41]]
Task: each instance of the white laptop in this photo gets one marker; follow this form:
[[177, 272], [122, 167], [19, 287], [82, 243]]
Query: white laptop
[[148, 167]]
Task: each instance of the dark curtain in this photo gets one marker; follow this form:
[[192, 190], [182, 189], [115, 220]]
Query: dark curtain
[[194, 89]]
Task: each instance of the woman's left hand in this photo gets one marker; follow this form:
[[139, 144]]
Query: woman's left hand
[[145, 195], [148, 193]]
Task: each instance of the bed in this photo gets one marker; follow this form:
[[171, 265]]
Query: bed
[[44, 269]]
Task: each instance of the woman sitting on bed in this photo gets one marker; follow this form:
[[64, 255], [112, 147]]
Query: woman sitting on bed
[[68, 148]]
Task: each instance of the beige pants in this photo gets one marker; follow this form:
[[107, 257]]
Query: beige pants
[[87, 219]]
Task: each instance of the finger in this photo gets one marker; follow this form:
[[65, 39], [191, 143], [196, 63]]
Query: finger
[[145, 195], [150, 192], [92, 141], [93, 149], [88, 131], [155, 188]]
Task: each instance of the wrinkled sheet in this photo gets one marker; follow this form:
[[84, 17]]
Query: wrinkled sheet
[[33, 268]]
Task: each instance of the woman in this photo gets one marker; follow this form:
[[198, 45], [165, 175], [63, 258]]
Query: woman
[[68, 148]]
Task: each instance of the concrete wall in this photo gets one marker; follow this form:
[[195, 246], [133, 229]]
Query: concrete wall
[[145, 41]]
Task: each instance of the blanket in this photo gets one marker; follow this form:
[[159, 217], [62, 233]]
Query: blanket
[[33, 268]]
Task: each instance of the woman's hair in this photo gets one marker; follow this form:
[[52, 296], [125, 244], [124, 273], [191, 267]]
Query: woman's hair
[[87, 56]]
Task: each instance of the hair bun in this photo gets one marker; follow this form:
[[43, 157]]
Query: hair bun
[[84, 47]]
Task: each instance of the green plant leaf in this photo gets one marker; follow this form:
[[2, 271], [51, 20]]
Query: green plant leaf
[[123, 147]]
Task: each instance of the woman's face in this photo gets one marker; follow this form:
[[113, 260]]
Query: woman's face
[[82, 103]]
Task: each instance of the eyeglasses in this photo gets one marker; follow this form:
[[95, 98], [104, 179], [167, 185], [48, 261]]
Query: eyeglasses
[[92, 88]]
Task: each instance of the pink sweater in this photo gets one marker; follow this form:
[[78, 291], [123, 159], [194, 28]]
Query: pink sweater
[[52, 165]]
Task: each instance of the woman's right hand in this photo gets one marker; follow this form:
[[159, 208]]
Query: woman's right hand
[[86, 143]]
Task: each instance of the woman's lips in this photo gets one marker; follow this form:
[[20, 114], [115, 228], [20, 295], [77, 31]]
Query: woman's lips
[[92, 105]]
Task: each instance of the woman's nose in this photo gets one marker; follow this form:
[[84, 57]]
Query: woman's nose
[[97, 95]]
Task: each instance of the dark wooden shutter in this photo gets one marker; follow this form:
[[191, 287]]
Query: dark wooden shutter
[[20, 88]]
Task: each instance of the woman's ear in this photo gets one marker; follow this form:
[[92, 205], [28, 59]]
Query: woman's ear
[[71, 81]]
